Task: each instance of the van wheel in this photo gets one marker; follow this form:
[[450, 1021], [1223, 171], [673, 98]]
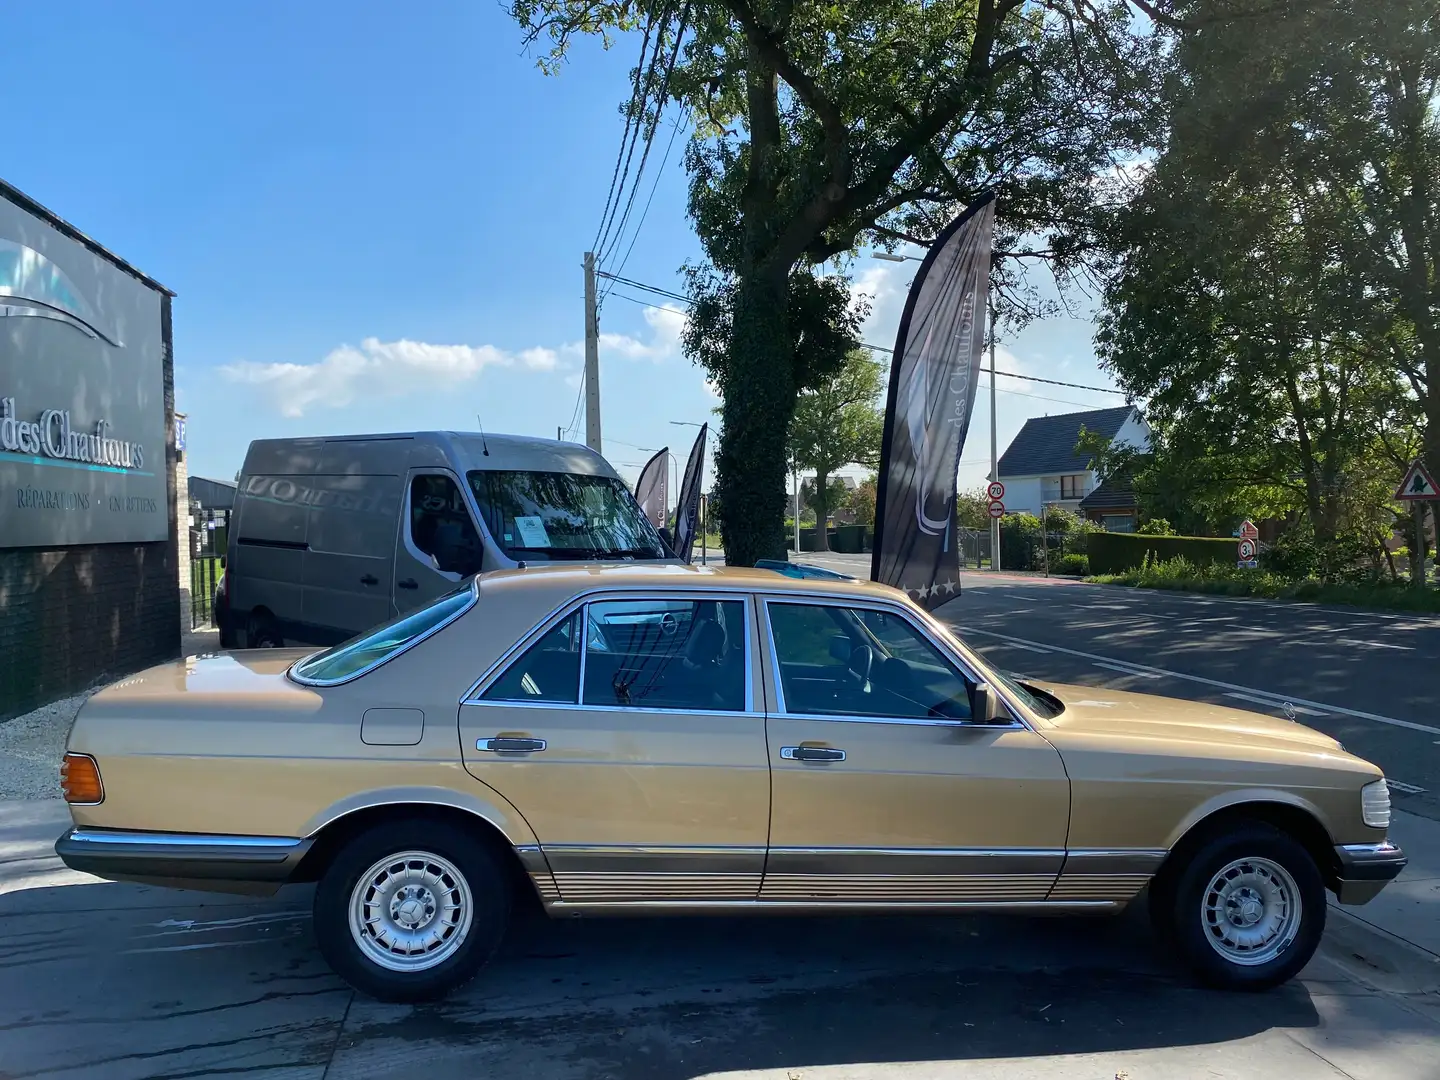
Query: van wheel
[[1246, 912], [410, 910], [260, 633]]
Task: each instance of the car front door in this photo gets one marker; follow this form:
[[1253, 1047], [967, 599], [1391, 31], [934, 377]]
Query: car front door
[[628, 733], [885, 790]]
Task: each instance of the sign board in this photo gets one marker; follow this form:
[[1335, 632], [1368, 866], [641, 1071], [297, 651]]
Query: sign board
[[997, 509], [996, 491], [1248, 551], [1418, 484], [1248, 531], [82, 394]]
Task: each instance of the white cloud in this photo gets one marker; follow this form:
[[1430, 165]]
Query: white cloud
[[538, 359], [394, 368]]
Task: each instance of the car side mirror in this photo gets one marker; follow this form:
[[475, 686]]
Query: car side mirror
[[986, 706]]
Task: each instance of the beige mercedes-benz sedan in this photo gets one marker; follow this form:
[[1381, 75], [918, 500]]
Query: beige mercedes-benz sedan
[[625, 739]]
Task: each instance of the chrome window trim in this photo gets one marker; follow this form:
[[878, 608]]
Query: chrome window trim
[[603, 594], [1017, 721], [402, 650]]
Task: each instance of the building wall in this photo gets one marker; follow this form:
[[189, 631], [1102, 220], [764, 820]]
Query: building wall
[[1134, 432], [82, 615], [1022, 494]]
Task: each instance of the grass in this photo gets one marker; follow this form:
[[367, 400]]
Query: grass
[[1181, 575]]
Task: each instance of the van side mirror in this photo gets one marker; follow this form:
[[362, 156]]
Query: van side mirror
[[666, 538], [986, 706]]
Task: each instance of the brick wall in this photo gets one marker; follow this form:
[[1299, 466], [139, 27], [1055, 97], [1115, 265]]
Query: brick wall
[[75, 617]]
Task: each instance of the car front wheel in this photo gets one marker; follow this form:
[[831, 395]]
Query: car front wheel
[[408, 911], [1248, 909]]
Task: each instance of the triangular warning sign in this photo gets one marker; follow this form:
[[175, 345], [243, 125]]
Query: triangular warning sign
[[1418, 484]]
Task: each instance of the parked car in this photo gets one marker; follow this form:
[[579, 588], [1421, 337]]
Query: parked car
[[331, 536], [635, 739]]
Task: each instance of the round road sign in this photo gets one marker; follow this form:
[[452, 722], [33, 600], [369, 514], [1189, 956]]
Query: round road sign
[[1247, 549], [996, 490], [997, 509]]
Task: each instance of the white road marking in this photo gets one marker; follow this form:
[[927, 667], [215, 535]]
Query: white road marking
[[1023, 648], [1126, 670], [1408, 789], [1324, 706], [1278, 704]]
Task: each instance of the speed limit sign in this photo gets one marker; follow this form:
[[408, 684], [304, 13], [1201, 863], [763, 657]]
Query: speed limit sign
[[996, 491], [1247, 549]]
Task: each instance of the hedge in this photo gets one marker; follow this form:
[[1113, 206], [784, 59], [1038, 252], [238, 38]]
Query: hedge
[[1114, 553]]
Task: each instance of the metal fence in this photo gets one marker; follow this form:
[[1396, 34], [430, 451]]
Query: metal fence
[[208, 532]]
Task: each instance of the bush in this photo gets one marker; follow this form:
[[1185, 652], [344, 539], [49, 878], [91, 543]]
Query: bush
[[1114, 553], [1156, 527], [1073, 563]]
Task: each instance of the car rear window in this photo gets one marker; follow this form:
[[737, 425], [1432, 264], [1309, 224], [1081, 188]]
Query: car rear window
[[374, 647]]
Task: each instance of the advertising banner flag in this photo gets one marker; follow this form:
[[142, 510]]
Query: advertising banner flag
[[652, 490], [687, 507], [927, 414]]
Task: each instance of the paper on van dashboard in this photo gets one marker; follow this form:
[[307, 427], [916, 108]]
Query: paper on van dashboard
[[532, 531]]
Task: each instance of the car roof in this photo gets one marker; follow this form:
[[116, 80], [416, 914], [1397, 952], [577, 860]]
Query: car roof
[[560, 581]]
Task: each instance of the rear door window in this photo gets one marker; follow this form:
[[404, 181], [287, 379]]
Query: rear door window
[[666, 654], [548, 672]]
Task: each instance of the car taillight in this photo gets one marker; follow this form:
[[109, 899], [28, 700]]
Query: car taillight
[[80, 780]]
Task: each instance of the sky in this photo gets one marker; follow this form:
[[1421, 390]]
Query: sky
[[375, 223]]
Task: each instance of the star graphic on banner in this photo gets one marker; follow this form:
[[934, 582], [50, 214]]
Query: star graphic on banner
[[924, 591], [948, 586]]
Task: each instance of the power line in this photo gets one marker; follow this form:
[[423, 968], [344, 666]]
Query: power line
[[660, 99], [624, 137], [645, 213], [655, 289]]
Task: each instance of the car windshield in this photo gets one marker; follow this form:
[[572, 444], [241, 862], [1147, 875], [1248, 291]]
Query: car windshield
[[1036, 700], [556, 515], [374, 647]]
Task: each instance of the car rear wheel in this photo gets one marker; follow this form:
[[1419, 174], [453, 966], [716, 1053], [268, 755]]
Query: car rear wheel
[[1246, 912], [408, 911]]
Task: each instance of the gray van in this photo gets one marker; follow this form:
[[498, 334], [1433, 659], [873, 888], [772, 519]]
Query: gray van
[[331, 536]]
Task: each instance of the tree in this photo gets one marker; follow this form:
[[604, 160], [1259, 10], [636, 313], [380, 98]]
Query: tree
[[836, 424], [972, 509], [1243, 306], [819, 126], [862, 501]]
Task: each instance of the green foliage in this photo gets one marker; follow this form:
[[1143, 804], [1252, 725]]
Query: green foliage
[[1271, 297], [1180, 573], [819, 127], [1073, 563], [972, 509], [1156, 527], [862, 501], [1112, 553], [838, 423]]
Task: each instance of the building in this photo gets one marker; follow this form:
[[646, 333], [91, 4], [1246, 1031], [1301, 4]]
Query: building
[[88, 542], [1042, 467]]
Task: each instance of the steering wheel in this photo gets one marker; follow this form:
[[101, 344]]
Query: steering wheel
[[862, 660]]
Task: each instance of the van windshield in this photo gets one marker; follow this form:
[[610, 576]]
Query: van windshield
[[557, 515]]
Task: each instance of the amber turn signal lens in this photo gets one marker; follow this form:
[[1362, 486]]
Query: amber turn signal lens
[[80, 779]]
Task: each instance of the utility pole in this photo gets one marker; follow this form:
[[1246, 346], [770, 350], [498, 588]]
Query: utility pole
[[592, 358], [559, 433], [994, 457]]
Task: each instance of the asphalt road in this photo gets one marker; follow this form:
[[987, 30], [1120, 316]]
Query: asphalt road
[[115, 982]]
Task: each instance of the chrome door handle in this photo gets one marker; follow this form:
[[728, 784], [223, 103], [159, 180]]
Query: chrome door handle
[[811, 753], [510, 746]]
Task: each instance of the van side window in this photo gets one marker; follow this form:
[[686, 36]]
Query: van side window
[[440, 526]]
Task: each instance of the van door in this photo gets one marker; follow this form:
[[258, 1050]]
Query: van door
[[349, 563], [267, 556], [439, 544]]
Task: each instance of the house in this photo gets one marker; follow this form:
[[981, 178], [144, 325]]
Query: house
[[1041, 466]]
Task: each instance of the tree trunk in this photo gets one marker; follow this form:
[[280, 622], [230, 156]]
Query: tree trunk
[[759, 403], [822, 511]]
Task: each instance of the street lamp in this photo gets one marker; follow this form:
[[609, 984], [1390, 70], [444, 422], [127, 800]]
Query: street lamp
[[889, 257]]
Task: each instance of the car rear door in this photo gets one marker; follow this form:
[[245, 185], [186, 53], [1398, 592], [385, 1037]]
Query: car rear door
[[884, 790], [628, 732]]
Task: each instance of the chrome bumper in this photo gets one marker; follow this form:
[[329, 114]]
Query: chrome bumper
[[1365, 869], [226, 863]]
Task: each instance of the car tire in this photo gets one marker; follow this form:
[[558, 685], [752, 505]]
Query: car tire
[[261, 633], [1246, 911], [409, 910]]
